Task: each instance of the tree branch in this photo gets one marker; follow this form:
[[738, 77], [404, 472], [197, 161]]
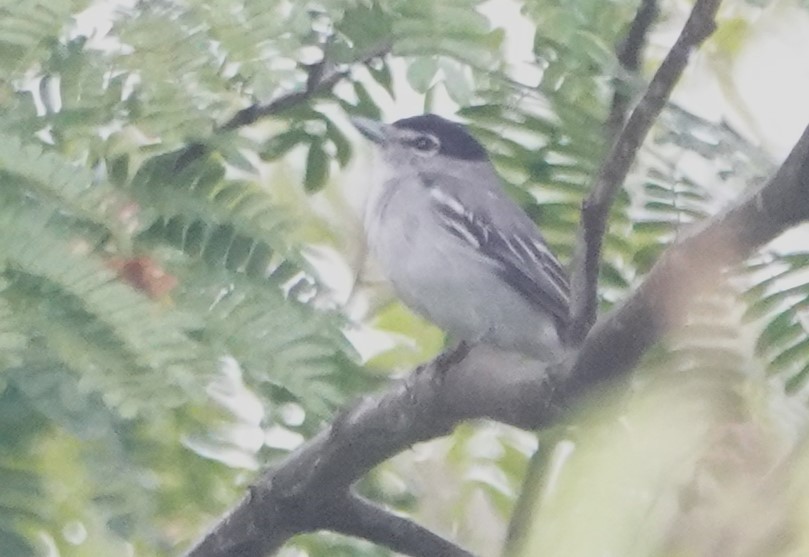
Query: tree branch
[[363, 519], [311, 488], [616, 165], [694, 261], [629, 54], [321, 78], [503, 386]]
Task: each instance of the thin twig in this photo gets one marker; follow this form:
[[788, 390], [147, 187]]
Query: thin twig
[[361, 518], [629, 54], [319, 80], [616, 165]]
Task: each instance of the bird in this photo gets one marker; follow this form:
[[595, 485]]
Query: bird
[[456, 248]]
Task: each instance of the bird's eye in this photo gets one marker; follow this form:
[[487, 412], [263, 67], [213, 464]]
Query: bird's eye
[[425, 143]]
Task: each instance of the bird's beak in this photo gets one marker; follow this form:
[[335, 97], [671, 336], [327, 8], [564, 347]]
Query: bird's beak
[[377, 132]]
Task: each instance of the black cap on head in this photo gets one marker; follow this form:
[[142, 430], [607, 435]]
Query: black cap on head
[[455, 141]]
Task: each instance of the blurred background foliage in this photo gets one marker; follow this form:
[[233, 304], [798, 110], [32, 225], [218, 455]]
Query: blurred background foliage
[[184, 296]]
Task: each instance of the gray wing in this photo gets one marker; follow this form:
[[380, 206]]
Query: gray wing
[[499, 230]]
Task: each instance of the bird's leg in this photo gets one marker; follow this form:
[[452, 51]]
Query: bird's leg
[[452, 356]]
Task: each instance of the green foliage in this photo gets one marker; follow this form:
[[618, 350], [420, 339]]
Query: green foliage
[[67, 300], [777, 302], [632, 461], [28, 30], [128, 270]]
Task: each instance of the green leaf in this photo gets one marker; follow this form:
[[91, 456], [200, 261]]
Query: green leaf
[[798, 381], [783, 329], [279, 145], [365, 102], [382, 75], [366, 26], [458, 84], [342, 145], [421, 72], [12, 543], [317, 167]]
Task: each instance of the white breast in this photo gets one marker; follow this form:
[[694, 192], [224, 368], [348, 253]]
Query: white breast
[[444, 278]]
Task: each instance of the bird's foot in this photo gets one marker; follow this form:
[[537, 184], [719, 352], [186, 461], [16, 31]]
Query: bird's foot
[[451, 357]]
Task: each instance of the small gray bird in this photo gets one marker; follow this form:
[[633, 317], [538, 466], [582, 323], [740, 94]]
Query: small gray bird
[[457, 249]]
